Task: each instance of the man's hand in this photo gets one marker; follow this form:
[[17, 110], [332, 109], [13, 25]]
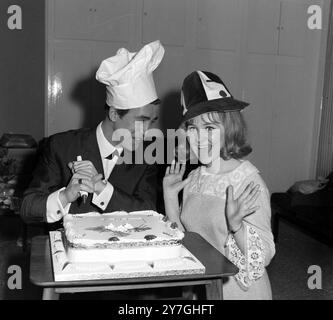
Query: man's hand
[[84, 165], [80, 181], [98, 183], [88, 168]]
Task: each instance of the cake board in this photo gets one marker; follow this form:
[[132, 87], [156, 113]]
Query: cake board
[[64, 270]]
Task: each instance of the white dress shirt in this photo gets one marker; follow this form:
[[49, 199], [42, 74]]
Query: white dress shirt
[[54, 208]]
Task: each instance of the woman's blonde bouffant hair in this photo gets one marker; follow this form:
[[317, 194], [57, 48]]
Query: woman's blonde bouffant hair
[[235, 131]]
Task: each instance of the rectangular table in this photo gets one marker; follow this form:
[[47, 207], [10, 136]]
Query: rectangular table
[[217, 267]]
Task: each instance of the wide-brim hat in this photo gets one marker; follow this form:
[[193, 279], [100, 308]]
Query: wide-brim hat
[[203, 92]]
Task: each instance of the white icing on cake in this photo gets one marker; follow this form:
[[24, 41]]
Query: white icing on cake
[[121, 236]]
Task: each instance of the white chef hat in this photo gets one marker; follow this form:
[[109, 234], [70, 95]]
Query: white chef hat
[[128, 76]]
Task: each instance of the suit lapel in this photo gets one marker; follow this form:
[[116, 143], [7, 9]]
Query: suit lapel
[[125, 175], [120, 169]]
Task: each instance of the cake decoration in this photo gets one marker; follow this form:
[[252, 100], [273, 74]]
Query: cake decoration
[[149, 237], [173, 225], [113, 239], [122, 228]]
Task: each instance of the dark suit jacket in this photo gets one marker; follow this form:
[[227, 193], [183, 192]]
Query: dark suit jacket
[[134, 184]]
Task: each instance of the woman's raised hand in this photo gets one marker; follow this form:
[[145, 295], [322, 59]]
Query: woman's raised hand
[[173, 181], [243, 206]]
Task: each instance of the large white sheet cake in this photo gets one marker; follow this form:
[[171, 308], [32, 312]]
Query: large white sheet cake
[[120, 244]]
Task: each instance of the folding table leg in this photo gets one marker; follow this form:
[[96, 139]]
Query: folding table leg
[[188, 294], [214, 290], [50, 294]]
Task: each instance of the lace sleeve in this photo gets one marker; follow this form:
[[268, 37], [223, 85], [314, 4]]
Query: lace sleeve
[[251, 265]]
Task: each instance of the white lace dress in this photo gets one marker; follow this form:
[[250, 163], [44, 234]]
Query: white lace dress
[[203, 211]]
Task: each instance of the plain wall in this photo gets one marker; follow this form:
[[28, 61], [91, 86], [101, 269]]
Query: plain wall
[[190, 43], [22, 68]]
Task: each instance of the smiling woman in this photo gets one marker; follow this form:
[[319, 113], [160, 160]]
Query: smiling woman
[[225, 131], [205, 138], [224, 200]]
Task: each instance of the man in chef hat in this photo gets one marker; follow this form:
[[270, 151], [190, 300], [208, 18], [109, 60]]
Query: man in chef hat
[[131, 96], [79, 170]]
